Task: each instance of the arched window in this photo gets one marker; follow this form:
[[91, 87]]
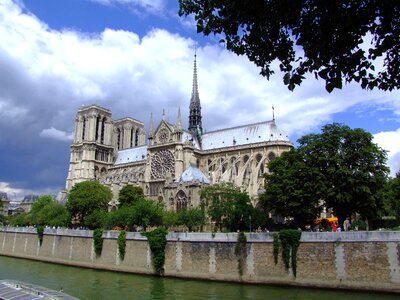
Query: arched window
[[210, 166], [271, 156], [96, 133], [83, 128], [261, 170], [232, 166], [137, 137], [132, 138], [181, 201], [118, 138], [103, 125], [96, 172], [103, 171], [245, 159]]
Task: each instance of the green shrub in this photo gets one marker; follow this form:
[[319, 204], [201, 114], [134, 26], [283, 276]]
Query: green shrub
[[40, 232], [241, 251], [290, 239], [122, 244], [359, 225], [276, 247], [157, 241], [98, 241]]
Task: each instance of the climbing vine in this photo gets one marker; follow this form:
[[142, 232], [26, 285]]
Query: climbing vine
[[276, 247], [40, 231], [290, 239], [157, 241], [122, 244], [98, 241], [241, 251]]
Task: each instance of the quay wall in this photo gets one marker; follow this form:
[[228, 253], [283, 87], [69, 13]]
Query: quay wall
[[359, 260]]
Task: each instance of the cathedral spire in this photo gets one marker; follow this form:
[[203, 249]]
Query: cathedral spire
[[273, 113], [179, 125], [151, 127], [195, 125]]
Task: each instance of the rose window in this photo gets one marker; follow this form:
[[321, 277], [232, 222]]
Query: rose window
[[162, 162]]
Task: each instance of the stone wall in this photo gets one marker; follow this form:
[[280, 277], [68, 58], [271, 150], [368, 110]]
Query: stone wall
[[347, 260]]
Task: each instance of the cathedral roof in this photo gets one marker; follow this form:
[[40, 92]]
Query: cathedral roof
[[131, 155], [193, 174], [243, 135]]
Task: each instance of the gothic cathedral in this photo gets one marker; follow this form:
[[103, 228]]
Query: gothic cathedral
[[173, 164]]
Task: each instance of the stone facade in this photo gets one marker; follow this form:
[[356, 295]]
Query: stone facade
[[118, 152]]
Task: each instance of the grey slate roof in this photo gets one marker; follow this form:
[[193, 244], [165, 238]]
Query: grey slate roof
[[193, 174], [243, 135], [131, 155]]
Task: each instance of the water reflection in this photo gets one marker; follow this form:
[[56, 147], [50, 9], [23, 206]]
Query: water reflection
[[96, 284]]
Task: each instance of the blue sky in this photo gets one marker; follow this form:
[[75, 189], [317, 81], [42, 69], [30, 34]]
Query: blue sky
[[135, 57]]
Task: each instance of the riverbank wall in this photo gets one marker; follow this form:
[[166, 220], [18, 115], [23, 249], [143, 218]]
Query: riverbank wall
[[358, 260]]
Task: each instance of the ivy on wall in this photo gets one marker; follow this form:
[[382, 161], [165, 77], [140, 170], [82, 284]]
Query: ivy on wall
[[122, 244], [40, 232], [98, 241], [290, 239], [241, 251], [157, 241], [276, 247]]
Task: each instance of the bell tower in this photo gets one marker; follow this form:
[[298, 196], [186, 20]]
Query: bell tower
[[92, 149]]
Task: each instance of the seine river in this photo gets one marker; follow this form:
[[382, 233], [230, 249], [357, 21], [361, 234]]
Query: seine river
[[94, 284]]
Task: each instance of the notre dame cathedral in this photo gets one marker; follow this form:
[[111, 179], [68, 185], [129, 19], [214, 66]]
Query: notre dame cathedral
[[172, 164]]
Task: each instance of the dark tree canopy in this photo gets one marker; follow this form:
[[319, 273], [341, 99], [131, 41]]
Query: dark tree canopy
[[47, 211], [392, 197], [86, 198], [340, 166], [129, 194], [229, 207], [290, 189], [353, 169], [337, 41]]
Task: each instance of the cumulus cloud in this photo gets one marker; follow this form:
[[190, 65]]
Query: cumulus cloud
[[390, 141], [51, 73], [56, 134], [149, 6]]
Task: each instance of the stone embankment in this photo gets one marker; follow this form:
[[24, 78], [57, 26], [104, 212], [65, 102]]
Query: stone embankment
[[347, 260]]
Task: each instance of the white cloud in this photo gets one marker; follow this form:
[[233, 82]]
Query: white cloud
[[50, 74], [390, 141], [56, 134], [155, 7]]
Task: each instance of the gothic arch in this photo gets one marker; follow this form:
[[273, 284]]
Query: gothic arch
[[181, 200], [271, 156]]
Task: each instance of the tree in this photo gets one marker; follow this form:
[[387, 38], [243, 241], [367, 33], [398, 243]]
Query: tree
[[146, 213], [192, 217], [334, 40], [290, 189], [215, 201], [227, 206], [86, 197], [129, 194], [47, 211], [352, 169], [170, 218], [340, 166], [392, 196]]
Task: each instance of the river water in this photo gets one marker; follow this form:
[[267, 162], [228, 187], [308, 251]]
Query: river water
[[95, 284]]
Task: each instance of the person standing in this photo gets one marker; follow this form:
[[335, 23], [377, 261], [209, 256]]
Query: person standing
[[346, 224]]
